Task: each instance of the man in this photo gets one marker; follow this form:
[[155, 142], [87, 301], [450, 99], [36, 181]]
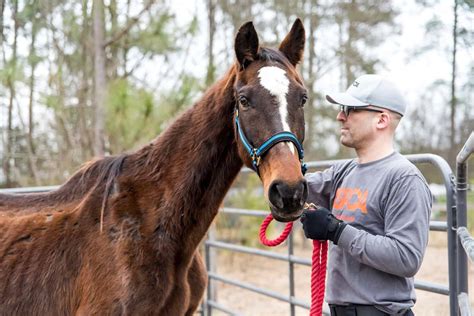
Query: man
[[380, 203]]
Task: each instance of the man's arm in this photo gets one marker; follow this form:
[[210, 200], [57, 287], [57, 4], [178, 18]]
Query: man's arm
[[319, 187], [400, 250]]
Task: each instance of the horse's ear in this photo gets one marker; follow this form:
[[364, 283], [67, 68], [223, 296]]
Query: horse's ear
[[293, 44], [246, 45]]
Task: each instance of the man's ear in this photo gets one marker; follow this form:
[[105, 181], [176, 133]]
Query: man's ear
[[384, 120], [293, 44]]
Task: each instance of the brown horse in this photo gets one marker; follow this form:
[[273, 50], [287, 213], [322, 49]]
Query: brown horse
[[120, 236]]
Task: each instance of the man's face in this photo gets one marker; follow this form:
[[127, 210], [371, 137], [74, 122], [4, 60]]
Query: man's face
[[358, 127]]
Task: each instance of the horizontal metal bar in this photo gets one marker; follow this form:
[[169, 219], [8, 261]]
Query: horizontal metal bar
[[434, 225], [242, 211], [466, 150], [256, 289], [30, 189], [438, 226], [258, 252], [431, 287], [467, 242], [222, 308], [414, 158]]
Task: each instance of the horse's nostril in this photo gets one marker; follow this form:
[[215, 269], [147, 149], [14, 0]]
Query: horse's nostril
[[305, 190], [275, 196]]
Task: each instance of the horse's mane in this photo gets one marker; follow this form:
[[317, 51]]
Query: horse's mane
[[93, 175]]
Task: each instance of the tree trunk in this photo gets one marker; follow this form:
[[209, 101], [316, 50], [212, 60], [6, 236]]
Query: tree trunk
[[31, 146], [126, 43], [2, 9], [9, 154], [312, 76], [100, 83], [211, 69], [349, 54], [84, 94], [452, 134], [114, 59]]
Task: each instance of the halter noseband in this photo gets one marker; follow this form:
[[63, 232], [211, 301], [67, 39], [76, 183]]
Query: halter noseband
[[257, 153]]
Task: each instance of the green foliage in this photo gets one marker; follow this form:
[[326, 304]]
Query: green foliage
[[157, 38], [468, 4], [193, 26], [134, 117], [180, 96], [12, 72], [131, 116], [247, 194], [51, 101]]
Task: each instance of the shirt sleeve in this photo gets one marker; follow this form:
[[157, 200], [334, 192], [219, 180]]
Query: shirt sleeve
[[319, 187], [401, 249]]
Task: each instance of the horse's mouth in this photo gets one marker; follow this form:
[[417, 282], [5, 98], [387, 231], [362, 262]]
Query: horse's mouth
[[280, 216]]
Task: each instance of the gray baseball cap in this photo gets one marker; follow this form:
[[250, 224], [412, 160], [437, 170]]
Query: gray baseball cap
[[371, 90]]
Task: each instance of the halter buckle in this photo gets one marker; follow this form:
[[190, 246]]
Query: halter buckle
[[255, 158]]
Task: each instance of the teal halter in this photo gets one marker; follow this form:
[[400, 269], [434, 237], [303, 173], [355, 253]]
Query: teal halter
[[257, 153]]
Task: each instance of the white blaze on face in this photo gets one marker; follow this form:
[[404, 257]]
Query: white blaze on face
[[274, 79]]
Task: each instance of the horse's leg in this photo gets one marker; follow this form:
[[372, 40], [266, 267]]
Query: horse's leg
[[197, 280]]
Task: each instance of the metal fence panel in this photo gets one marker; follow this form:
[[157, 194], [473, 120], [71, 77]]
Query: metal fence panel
[[449, 226]]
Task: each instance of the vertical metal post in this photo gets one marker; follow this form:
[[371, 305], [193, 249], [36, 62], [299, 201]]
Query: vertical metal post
[[452, 250], [210, 264], [291, 273], [461, 197]]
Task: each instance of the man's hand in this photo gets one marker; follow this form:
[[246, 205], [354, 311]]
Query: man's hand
[[320, 224]]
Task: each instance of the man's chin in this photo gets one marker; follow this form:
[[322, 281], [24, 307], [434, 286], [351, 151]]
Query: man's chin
[[345, 142]]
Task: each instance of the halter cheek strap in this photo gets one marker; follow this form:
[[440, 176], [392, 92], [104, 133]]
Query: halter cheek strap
[[257, 153]]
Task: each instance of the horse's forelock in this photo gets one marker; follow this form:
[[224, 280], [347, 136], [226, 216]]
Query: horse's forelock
[[272, 55]]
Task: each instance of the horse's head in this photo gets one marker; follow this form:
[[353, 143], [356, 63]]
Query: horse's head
[[269, 117]]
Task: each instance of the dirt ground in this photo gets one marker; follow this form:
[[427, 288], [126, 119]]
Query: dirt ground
[[273, 275]]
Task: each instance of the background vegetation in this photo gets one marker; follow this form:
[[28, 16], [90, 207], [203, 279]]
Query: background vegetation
[[86, 78]]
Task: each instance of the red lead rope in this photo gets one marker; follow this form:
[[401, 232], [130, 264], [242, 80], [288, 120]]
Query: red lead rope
[[318, 268]]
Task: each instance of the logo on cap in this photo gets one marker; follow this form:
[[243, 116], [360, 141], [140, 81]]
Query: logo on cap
[[355, 84]]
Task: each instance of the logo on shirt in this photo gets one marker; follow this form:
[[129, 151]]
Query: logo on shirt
[[350, 201]]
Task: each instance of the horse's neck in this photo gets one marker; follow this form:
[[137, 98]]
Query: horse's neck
[[190, 167]]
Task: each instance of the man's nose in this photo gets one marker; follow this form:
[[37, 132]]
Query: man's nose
[[341, 116]]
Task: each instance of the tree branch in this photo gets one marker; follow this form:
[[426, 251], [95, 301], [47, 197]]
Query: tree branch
[[129, 25]]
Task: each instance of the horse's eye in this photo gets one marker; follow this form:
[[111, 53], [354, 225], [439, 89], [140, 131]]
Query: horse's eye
[[303, 100], [244, 102]]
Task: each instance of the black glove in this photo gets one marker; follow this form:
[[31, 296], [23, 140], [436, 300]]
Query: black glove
[[320, 224]]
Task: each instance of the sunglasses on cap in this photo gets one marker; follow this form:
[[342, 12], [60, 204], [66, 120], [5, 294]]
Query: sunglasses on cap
[[347, 109]]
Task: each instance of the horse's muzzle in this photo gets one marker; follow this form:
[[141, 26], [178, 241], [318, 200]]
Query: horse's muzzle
[[287, 200]]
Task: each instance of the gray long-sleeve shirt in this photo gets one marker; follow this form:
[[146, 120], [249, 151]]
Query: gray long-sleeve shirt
[[387, 204]]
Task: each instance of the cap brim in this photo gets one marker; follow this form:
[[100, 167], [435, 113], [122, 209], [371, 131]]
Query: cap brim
[[343, 98]]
